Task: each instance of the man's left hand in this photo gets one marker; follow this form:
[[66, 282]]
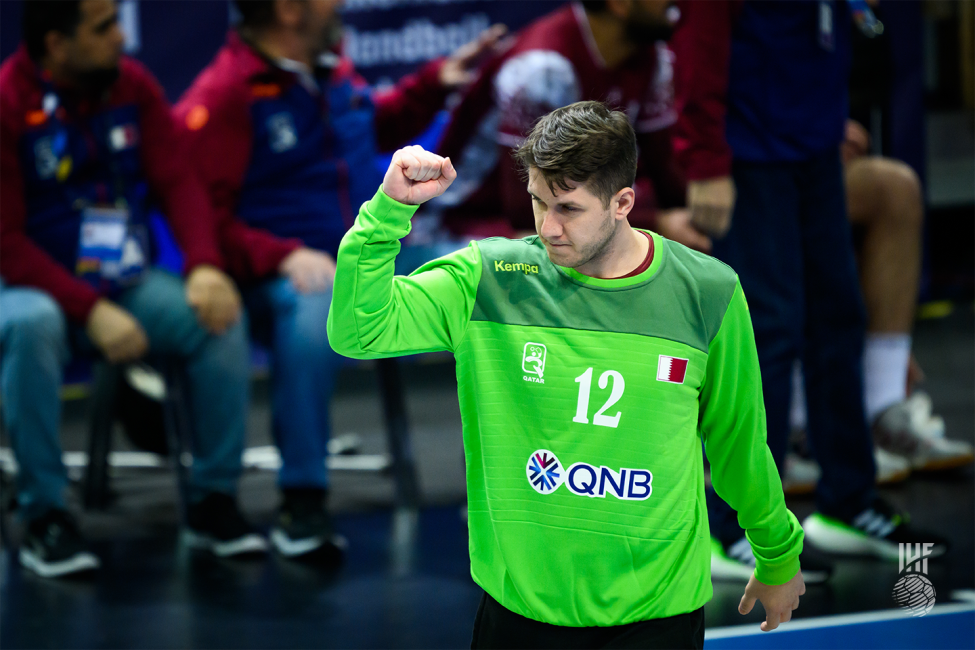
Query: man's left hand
[[310, 271], [214, 298], [779, 601], [461, 68]]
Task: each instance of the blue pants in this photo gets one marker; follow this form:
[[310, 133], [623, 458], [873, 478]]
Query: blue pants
[[34, 339], [303, 372], [790, 243]]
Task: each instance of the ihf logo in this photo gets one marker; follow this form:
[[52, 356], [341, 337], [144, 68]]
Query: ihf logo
[[546, 474], [914, 591]]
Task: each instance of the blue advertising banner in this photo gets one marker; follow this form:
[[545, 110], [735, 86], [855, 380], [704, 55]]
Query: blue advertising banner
[[385, 38], [389, 38]]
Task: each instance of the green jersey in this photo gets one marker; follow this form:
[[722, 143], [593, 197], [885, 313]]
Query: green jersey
[[584, 404]]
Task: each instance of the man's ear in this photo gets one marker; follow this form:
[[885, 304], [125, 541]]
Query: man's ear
[[619, 8], [55, 43], [623, 202], [288, 13]]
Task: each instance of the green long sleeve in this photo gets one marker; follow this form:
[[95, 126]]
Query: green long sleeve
[[375, 313], [743, 473]]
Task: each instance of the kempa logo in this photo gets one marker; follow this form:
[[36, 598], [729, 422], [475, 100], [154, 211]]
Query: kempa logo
[[914, 591], [501, 265], [533, 362], [546, 475]]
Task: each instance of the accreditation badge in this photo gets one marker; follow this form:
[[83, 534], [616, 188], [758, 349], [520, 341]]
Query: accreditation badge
[[110, 252]]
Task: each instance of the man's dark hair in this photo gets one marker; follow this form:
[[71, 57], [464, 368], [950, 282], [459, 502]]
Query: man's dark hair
[[255, 14], [586, 143], [43, 16]]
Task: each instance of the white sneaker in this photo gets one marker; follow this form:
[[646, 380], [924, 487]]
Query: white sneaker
[[737, 563], [890, 468], [909, 430], [801, 475]]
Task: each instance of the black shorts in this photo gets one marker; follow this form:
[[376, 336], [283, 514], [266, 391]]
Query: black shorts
[[498, 627]]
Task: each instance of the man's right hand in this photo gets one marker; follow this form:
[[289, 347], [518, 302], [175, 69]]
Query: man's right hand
[[415, 176], [711, 203], [116, 332], [676, 225]]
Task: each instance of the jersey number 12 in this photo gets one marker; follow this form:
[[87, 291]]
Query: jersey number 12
[[582, 406]]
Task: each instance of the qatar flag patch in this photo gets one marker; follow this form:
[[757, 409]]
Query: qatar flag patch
[[671, 369]]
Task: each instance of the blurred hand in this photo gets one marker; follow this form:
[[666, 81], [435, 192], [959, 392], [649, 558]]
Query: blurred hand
[[779, 601], [116, 332], [416, 176], [856, 142], [461, 68], [310, 271], [214, 298], [711, 202], [676, 225]]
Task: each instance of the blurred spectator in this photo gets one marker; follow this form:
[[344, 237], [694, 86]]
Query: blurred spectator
[[885, 204], [285, 135], [761, 90], [86, 136], [605, 50]]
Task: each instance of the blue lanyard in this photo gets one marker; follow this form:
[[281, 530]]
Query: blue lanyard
[[59, 142]]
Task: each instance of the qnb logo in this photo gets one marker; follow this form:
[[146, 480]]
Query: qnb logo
[[545, 474], [544, 471], [591, 481]]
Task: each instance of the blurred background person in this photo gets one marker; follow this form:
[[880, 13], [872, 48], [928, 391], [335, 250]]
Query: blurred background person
[[761, 91], [612, 51], [285, 135], [885, 204], [86, 136]]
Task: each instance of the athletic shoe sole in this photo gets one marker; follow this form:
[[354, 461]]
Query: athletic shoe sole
[[798, 489], [250, 543], [76, 564], [941, 464], [893, 477], [297, 547], [725, 569], [834, 536]]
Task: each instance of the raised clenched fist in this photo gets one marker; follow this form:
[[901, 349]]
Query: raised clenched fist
[[416, 176]]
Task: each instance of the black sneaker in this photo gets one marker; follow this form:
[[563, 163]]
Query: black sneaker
[[305, 527], [216, 525], [53, 546], [736, 562], [878, 531]]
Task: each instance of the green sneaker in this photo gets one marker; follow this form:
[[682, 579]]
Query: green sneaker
[[878, 532]]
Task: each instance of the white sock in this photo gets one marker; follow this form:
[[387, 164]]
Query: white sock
[[885, 361], [797, 408]]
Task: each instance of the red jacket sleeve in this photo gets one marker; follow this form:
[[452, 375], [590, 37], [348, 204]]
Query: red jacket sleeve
[[659, 164], [217, 125], [21, 261], [406, 109], [702, 50], [165, 160]]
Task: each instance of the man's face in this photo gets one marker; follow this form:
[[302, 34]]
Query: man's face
[[323, 25], [92, 53], [649, 21], [575, 226]]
